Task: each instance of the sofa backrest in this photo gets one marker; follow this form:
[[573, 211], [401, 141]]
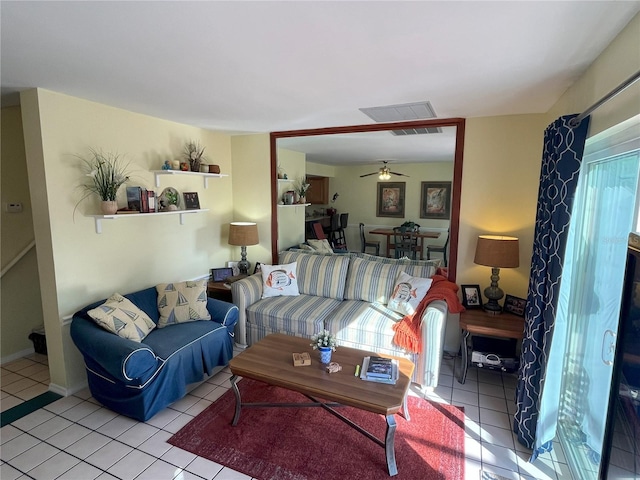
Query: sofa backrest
[[371, 278], [354, 275], [146, 300], [319, 275]]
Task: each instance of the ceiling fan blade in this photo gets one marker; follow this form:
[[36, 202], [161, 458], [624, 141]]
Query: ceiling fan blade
[[400, 174], [368, 174]]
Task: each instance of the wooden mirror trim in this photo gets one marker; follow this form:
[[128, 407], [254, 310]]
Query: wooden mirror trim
[[454, 221]]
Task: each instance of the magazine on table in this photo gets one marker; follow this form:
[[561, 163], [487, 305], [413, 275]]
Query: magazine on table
[[365, 375]]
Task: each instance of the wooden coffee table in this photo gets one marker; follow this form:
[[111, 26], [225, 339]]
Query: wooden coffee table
[[270, 361]]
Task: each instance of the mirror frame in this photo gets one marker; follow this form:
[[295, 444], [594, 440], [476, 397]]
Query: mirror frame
[[454, 221]]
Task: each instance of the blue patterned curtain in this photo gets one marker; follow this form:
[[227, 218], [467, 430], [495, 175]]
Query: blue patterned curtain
[[561, 159]]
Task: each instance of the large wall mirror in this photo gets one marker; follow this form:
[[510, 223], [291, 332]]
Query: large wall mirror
[[364, 148]]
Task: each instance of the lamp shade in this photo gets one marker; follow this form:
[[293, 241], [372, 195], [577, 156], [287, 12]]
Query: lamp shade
[[243, 234], [497, 251]]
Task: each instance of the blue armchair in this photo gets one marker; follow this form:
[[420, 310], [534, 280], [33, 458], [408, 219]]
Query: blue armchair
[[140, 379]]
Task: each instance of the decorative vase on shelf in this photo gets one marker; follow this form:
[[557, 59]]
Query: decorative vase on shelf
[[303, 200], [109, 207], [325, 354]]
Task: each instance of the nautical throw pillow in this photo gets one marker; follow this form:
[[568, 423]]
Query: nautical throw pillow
[[322, 246], [279, 280], [182, 302], [120, 316], [407, 293]]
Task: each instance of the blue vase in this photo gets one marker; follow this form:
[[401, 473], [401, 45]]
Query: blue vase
[[325, 354]]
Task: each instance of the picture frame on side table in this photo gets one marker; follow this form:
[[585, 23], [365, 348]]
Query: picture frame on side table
[[234, 266], [514, 305], [391, 196], [191, 201], [435, 200], [471, 296], [221, 274], [257, 268]]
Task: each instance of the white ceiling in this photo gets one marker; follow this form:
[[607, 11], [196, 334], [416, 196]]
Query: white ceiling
[[267, 66]]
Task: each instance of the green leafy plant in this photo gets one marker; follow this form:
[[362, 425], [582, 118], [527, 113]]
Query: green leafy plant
[[302, 187], [194, 154], [323, 339], [107, 172]]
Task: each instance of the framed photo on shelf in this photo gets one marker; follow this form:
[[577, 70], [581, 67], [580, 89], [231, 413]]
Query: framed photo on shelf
[[257, 268], [191, 201], [391, 197], [514, 305], [435, 200], [471, 297]]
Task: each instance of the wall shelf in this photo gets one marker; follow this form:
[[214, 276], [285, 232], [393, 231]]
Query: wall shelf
[[294, 205], [206, 176], [99, 218]]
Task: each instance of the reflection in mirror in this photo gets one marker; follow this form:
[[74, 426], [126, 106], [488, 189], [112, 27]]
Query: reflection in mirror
[[348, 161]]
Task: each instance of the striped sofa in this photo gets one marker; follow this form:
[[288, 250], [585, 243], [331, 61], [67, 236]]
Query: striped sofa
[[347, 295]]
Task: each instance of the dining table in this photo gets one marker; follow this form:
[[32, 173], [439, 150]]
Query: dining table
[[388, 232]]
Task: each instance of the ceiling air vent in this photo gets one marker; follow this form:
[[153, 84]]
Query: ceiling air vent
[[403, 113]]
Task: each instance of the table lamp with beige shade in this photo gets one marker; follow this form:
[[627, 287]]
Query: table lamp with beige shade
[[497, 252], [243, 234]]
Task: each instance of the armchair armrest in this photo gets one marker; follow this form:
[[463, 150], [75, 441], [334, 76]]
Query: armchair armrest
[[434, 322], [224, 313], [245, 293], [120, 358]]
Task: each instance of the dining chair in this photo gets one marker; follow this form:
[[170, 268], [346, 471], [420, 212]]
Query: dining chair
[[336, 235], [439, 249], [364, 243], [405, 244]]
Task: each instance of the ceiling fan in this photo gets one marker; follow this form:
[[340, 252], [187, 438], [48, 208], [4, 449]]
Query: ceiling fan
[[384, 173]]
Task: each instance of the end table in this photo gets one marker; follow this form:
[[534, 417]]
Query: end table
[[479, 322], [219, 291]]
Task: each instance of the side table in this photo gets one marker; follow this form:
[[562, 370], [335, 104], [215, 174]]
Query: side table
[[219, 291], [479, 322]]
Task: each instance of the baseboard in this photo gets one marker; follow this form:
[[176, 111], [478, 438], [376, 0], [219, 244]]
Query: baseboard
[[17, 355]]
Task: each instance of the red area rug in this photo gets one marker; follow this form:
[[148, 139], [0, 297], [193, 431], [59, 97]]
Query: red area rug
[[312, 444]]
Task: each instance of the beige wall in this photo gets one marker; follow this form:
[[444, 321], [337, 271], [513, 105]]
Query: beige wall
[[20, 288], [78, 266], [290, 219], [499, 193], [252, 192]]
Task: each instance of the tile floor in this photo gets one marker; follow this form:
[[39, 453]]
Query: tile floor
[[75, 438]]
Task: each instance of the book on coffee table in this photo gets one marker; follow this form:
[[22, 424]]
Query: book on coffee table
[[378, 369]]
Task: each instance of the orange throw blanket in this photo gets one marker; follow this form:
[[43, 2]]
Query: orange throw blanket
[[407, 331]]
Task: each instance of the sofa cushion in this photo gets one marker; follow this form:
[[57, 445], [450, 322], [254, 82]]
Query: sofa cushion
[[370, 281], [319, 275], [363, 325], [120, 316], [407, 293], [320, 245], [303, 315], [280, 280], [371, 278], [182, 302]]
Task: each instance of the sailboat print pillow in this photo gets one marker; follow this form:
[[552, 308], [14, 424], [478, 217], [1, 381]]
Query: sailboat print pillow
[[182, 302], [120, 316], [280, 280]]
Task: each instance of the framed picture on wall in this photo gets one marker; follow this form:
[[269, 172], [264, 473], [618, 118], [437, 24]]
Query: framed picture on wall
[[471, 297], [391, 199], [435, 200]]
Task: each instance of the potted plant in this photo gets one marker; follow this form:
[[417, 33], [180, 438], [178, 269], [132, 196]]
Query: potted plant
[[301, 188], [325, 342], [194, 154], [107, 173]]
